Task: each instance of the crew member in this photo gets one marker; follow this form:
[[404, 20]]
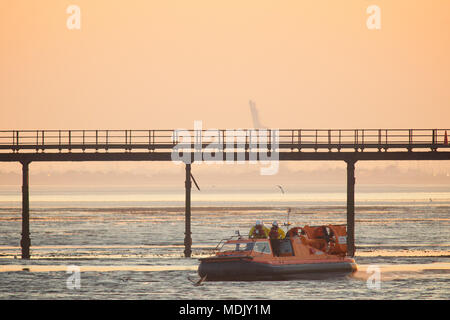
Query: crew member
[[275, 232], [259, 231], [322, 235], [275, 235]]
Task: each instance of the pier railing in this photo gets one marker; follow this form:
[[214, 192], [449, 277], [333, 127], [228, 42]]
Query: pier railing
[[288, 139]]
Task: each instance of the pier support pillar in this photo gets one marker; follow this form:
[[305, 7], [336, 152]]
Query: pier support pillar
[[187, 233], [351, 207], [25, 242]]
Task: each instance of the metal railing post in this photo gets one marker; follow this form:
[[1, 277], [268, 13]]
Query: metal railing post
[[299, 139]]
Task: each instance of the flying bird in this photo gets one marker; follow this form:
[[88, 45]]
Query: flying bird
[[281, 188]]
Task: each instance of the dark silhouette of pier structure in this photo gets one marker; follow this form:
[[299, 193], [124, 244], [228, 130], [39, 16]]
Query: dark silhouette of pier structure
[[351, 146]]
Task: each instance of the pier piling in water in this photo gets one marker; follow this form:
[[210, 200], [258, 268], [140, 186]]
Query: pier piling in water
[[351, 207], [187, 218], [25, 242]]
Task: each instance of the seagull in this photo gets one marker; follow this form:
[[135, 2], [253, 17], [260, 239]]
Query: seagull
[[281, 188]]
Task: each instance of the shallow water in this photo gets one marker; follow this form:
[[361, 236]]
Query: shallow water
[[134, 250]]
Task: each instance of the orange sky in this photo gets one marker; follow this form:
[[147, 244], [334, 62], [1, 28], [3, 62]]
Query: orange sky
[[163, 64]]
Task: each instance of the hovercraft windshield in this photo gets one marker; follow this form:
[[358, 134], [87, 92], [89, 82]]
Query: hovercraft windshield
[[237, 247]]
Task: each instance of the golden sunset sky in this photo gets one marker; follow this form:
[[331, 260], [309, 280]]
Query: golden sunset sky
[[163, 64]]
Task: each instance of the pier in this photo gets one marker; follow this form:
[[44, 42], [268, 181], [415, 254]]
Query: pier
[[351, 146]]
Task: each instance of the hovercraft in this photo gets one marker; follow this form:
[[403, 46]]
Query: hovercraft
[[308, 252]]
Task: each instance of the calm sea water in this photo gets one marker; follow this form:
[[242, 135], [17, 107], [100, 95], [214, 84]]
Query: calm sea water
[[128, 242]]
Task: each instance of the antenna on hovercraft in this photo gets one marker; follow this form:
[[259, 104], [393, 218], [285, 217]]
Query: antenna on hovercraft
[[287, 224]]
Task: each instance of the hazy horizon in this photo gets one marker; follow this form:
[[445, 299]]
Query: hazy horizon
[[170, 175]]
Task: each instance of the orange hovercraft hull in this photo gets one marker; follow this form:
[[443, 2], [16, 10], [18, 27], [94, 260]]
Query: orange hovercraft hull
[[298, 256]]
